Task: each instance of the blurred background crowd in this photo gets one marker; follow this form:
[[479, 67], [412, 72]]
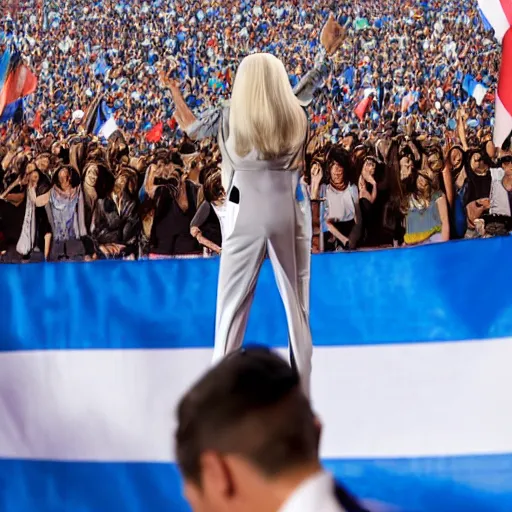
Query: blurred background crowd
[[401, 151]]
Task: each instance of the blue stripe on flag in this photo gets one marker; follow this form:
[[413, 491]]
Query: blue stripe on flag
[[485, 21], [103, 114], [4, 67], [469, 484], [10, 110], [446, 292]]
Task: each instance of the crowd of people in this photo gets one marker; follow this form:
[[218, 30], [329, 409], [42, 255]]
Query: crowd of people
[[416, 165]]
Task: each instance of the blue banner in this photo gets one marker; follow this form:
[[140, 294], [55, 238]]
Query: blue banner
[[411, 376]]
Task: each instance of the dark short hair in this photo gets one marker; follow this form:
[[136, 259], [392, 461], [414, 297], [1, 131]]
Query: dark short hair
[[187, 148], [176, 159], [341, 157], [250, 404], [504, 159]]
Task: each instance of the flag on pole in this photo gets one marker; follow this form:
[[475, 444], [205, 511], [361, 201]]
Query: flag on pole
[[13, 111], [99, 119], [36, 124], [499, 14], [362, 107], [155, 134], [474, 88], [16, 81]]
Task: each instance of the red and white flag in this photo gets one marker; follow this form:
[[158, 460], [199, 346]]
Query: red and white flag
[[499, 15]]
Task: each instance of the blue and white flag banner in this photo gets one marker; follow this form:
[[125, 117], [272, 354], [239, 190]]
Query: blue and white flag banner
[[474, 88], [411, 376]]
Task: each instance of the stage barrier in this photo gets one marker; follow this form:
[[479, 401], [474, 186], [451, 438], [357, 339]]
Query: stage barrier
[[411, 376]]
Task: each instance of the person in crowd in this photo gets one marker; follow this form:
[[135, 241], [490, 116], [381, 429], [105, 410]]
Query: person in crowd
[[373, 199], [313, 179], [400, 89], [478, 191], [207, 225], [434, 161], [65, 208], [342, 213], [501, 196], [35, 237], [455, 158], [12, 213], [96, 184], [247, 438], [175, 198], [426, 218], [115, 228]]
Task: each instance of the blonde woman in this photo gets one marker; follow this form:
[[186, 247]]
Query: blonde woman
[[262, 134]]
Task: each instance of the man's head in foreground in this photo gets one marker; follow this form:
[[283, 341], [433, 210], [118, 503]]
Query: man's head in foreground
[[246, 435]]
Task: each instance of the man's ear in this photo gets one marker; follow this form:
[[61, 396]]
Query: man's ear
[[217, 477]]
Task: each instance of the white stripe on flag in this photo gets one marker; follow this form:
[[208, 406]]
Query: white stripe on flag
[[479, 93], [502, 123], [496, 16], [108, 128], [424, 399]]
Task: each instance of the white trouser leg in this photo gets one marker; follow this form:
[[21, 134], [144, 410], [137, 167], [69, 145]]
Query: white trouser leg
[[284, 263], [303, 239], [240, 265], [266, 216]]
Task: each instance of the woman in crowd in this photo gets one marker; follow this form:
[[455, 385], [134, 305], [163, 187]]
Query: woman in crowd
[[342, 213], [65, 208], [478, 191], [455, 159], [207, 225], [441, 170], [313, 179], [12, 214], [373, 199], [175, 199], [35, 238], [116, 226], [501, 195], [426, 217]]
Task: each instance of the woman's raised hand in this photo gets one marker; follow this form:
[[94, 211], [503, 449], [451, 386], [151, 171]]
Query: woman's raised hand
[[167, 81], [332, 35]]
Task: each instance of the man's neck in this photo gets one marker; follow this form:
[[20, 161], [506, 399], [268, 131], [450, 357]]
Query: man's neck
[[282, 488]]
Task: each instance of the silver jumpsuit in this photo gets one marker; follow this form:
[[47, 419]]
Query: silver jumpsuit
[[267, 212]]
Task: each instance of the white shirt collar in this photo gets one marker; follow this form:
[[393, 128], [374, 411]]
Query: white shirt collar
[[314, 494]]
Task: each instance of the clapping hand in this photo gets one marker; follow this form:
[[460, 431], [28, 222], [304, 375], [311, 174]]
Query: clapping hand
[[112, 250]]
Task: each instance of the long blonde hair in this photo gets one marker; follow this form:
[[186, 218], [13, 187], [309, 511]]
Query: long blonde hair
[[265, 114]]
